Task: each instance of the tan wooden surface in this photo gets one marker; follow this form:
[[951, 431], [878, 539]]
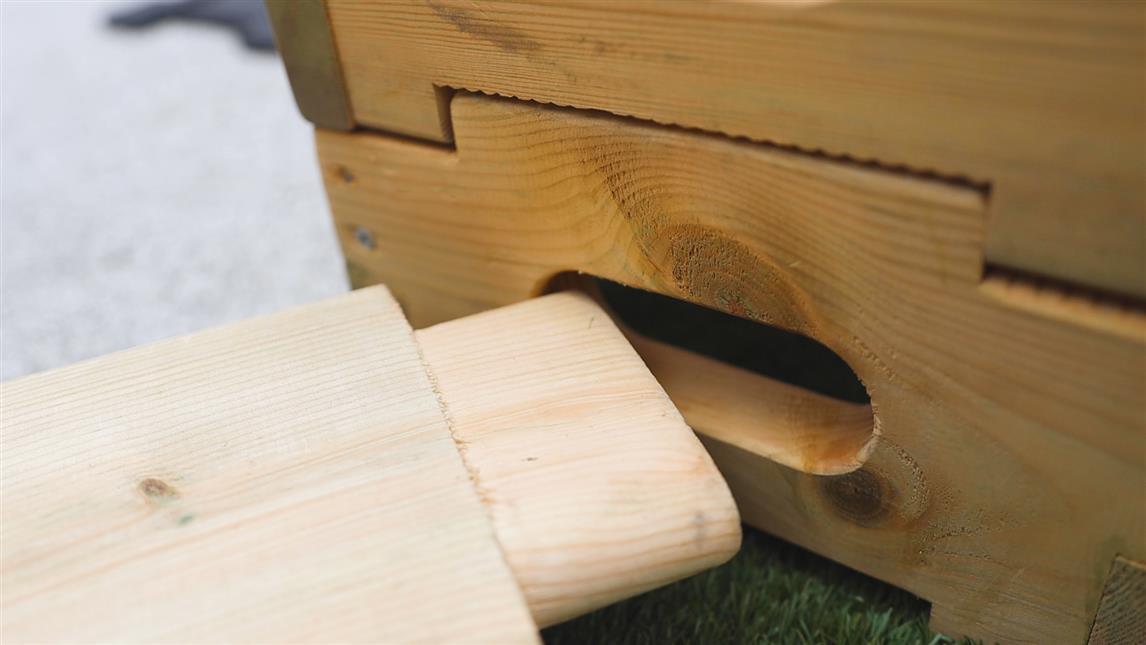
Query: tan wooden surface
[[319, 475], [597, 488], [1008, 469], [1042, 102], [288, 478]]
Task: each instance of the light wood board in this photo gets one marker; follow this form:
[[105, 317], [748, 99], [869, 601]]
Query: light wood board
[[597, 488], [1009, 465], [1044, 103], [289, 478], [318, 475]]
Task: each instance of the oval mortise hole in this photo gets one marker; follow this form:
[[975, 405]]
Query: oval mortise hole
[[766, 390]]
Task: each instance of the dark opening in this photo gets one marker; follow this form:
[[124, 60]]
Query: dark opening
[[769, 351]]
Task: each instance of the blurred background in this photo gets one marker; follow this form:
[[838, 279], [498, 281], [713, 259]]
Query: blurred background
[[153, 182]]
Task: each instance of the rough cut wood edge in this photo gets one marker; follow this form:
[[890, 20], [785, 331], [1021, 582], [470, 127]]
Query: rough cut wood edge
[[306, 44], [288, 478], [597, 488], [971, 389], [1043, 102], [1121, 617]]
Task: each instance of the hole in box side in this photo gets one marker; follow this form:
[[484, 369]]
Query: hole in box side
[[773, 392]]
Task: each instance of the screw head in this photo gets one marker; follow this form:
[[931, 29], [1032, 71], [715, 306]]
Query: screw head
[[365, 237]]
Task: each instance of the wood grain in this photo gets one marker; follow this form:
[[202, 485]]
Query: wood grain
[[298, 478], [1045, 103], [597, 488], [1000, 420], [290, 478], [1121, 618]]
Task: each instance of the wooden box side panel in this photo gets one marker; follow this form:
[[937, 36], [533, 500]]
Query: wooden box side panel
[[1001, 426], [1044, 103]]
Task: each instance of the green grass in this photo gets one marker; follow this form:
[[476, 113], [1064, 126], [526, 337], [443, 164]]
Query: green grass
[[771, 592]]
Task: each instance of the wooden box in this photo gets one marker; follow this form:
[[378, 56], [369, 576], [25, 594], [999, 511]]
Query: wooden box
[[950, 196]]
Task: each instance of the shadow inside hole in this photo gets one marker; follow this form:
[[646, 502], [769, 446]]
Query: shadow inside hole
[[769, 351]]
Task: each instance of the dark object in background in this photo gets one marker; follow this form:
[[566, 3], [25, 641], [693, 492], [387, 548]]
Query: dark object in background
[[248, 19]]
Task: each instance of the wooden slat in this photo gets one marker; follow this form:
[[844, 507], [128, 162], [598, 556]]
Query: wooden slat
[[289, 478], [1045, 102], [597, 488], [1000, 422]]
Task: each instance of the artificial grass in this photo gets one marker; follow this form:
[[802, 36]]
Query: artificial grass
[[771, 592]]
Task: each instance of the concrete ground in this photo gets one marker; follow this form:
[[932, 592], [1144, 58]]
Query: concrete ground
[[151, 184]]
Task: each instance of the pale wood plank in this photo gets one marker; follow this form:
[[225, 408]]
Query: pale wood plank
[[289, 478], [597, 488], [1043, 101], [1002, 421]]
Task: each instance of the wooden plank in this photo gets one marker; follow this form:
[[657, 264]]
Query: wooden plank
[[1121, 618], [289, 478], [789, 425], [1043, 102], [293, 478], [597, 488], [999, 422]]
